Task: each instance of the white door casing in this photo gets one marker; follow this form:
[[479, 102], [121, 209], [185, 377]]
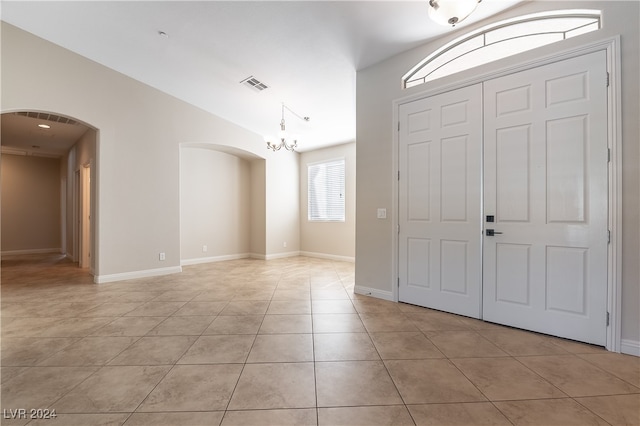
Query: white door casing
[[546, 184], [439, 201]]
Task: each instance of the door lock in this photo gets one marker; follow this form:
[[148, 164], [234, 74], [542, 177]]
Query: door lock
[[491, 232]]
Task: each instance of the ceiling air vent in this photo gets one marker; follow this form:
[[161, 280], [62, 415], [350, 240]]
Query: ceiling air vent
[[254, 84], [47, 117]]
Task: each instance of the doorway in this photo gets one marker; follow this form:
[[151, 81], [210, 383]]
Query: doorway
[[503, 204], [71, 148]]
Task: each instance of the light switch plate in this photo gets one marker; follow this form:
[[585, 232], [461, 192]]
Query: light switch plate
[[382, 213]]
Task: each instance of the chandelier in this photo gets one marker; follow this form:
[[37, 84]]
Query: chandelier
[[451, 12], [284, 139]]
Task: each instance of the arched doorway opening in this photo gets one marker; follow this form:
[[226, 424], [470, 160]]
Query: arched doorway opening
[[48, 187], [222, 203]]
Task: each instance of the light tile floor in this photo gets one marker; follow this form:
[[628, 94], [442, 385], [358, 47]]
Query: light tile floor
[[282, 342]]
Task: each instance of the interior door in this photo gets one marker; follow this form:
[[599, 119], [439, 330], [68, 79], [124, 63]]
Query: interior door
[[439, 201], [545, 192]]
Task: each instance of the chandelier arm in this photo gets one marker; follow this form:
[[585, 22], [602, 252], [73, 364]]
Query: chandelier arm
[[274, 147]]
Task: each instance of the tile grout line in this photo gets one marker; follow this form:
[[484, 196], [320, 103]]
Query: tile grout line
[[605, 371], [244, 364], [386, 368], [313, 354]]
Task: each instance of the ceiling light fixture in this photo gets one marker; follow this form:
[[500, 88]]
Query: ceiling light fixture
[[44, 126], [451, 12], [282, 135]]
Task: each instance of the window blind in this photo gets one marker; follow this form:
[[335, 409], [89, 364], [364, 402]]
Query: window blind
[[326, 191]]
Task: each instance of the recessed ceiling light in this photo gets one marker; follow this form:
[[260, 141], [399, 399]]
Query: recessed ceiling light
[[44, 126]]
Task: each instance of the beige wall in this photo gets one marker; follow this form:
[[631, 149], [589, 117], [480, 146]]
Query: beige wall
[[379, 85], [30, 212], [282, 202], [215, 205], [335, 240], [140, 130], [258, 209]]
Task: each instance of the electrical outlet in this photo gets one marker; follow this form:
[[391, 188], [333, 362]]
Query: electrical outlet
[[162, 256], [284, 244], [204, 249]]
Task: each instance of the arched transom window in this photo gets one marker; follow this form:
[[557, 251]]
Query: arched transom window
[[502, 39]]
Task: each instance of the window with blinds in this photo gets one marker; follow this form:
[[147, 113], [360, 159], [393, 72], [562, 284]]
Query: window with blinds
[[326, 191]]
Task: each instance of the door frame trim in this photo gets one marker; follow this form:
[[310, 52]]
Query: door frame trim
[[611, 46]]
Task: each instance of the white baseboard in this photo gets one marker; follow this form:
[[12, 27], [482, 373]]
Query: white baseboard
[[630, 347], [281, 255], [374, 292], [328, 256], [266, 257], [99, 279], [31, 251], [212, 259]]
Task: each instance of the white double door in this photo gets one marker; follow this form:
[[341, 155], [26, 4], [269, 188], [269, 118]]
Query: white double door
[[526, 156]]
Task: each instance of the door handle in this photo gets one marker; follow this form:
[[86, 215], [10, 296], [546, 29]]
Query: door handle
[[491, 232]]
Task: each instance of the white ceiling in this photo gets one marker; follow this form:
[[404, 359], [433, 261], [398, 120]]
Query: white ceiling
[[307, 52]]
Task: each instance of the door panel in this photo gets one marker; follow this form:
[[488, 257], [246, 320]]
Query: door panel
[[566, 281], [566, 168], [513, 284], [513, 174], [545, 181], [453, 266], [439, 205], [453, 179], [418, 262]]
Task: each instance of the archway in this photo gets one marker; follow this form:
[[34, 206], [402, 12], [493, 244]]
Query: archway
[[222, 203], [49, 186]]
